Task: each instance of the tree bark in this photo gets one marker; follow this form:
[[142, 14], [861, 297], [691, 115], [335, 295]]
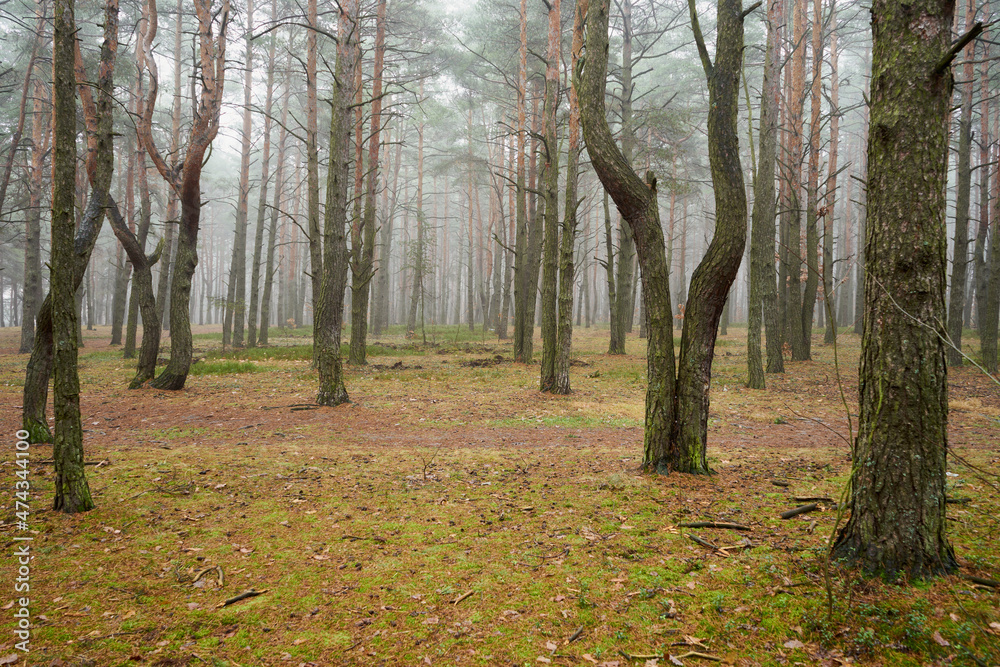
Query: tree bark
[[361, 277], [235, 316], [636, 200], [568, 241], [185, 178], [963, 199], [550, 180], [72, 493], [829, 296], [897, 523], [328, 330], [265, 174], [763, 292], [32, 298]]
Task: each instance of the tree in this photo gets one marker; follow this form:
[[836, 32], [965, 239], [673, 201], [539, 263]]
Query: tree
[[363, 243], [184, 177], [550, 179], [763, 292], [235, 299], [566, 267], [963, 198], [335, 259], [72, 493], [897, 523], [676, 408]]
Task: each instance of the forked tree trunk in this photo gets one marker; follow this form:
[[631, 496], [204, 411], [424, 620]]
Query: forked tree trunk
[[636, 200], [898, 523], [185, 178]]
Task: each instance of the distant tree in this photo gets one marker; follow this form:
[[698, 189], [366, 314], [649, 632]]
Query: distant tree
[[898, 519]]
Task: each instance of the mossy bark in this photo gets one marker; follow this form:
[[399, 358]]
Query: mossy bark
[[897, 524]]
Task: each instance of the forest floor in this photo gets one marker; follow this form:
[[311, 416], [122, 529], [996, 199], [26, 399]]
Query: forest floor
[[452, 514]]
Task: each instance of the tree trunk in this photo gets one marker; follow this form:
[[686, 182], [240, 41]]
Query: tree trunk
[[550, 180], [711, 281], [265, 170], [793, 214], [235, 316], [812, 250], [979, 252], [897, 523], [963, 198], [829, 297], [331, 312], [523, 331], [269, 267], [361, 279], [636, 200], [568, 241], [72, 493], [32, 221]]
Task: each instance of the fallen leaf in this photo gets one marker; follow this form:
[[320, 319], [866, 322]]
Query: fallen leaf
[[431, 620], [652, 663], [794, 643], [674, 660], [589, 658], [690, 585], [551, 645], [543, 659], [941, 641], [9, 659], [192, 606], [995, 625]]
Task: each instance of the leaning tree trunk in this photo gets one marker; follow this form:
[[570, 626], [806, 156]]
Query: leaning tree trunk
[[185, 177], [636, 200], [711, 281], [898, 522]]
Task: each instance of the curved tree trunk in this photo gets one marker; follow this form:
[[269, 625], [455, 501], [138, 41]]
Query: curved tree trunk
[[636, 200], [550, 179]]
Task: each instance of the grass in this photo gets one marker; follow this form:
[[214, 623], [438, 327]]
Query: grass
[[366, 523]]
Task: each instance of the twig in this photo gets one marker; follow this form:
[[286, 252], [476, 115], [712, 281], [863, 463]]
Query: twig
[[778, 482], [714, 524], [813, 499], [576, 635], [802, 509], [462, 597], [703, 656], [704, 543], [355, 538], [242, 596]]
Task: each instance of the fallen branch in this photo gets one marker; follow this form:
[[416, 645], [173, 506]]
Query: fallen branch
[[462, 597], [814, 499], [802, 509], [242, 596], [713, 524], [778, 482], [355, 538], [983, 582], [703, 656], [576, 635], [100, 463], [203, 572], [704, 543], [957, 501]]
